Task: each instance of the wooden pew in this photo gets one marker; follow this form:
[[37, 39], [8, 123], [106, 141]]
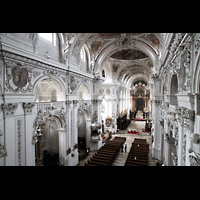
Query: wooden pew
[[101, 157], [140, 163], [119, 139], [100, 160], [103, 154], [97, 163], [138, 155], [139, 151], [106, 154], [90, 165], [143, 160], [141, 141]]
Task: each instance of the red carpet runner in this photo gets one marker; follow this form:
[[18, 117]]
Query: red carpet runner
[[132, 132]]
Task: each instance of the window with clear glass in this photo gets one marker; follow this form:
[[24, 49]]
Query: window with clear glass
[[82, 55], [47, 36]]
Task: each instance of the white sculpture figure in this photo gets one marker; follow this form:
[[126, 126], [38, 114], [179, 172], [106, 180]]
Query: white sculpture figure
[[92, 63], [68, 43]]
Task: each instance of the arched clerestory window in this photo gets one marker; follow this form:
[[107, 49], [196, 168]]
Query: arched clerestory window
[[48, 37]]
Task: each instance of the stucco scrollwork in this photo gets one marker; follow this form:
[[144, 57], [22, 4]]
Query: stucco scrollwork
[[73, 84], [28, 107], [49, 112], [9, 108], [85, 107]]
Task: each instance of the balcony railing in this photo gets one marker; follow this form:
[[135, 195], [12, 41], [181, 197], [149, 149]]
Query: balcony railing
[[45, 105]]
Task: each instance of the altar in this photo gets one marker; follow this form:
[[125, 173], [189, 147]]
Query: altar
[[139, 114]]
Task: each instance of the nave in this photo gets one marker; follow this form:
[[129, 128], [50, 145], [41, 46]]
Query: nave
[[63, 94], [122, 156]]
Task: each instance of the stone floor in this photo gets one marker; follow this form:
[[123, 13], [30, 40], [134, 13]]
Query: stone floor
[[122, 156]]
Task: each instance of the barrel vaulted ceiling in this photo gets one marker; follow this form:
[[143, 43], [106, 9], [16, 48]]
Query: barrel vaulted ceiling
[[129, 56]]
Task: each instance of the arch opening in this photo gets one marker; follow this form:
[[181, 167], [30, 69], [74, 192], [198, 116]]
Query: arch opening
[[84, 93], [174, 90], [49, 90], [47, 145]]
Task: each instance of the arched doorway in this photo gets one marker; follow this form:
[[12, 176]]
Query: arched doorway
[[47, 145], [84, 121], [49, 90], [84, 93], [82, 131]]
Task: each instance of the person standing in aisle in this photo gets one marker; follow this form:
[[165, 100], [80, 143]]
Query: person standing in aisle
[[125, 148], [122, 146]]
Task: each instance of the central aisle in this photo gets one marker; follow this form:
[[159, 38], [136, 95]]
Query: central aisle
[[122, 156]]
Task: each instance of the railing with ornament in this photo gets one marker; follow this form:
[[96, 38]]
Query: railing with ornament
[[46, 105]]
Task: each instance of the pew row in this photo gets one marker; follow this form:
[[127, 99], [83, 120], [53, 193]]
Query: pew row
[[106, 155], [138, 155]]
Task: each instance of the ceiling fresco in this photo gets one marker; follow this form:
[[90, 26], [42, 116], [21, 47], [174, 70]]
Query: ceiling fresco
[[109, 35], [95, 45], [129, 54], [115, 67], [152, 37], [114, 35], [134, 60]]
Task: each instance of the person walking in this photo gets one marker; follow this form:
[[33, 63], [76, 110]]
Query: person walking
[[125, 148]]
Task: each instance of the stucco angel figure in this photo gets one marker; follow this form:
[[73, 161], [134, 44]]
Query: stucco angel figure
[[68, 43], [72, 84], [92, 62]]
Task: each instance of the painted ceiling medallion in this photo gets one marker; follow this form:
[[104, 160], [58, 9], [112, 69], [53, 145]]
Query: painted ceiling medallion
[[129, 54], [152, 37]]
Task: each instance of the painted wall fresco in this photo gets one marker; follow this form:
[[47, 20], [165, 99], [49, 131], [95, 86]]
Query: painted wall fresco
[[20, 76]]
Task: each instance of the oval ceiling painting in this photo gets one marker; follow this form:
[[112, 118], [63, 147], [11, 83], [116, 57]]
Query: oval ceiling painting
[[129, 54], [114, 35]]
